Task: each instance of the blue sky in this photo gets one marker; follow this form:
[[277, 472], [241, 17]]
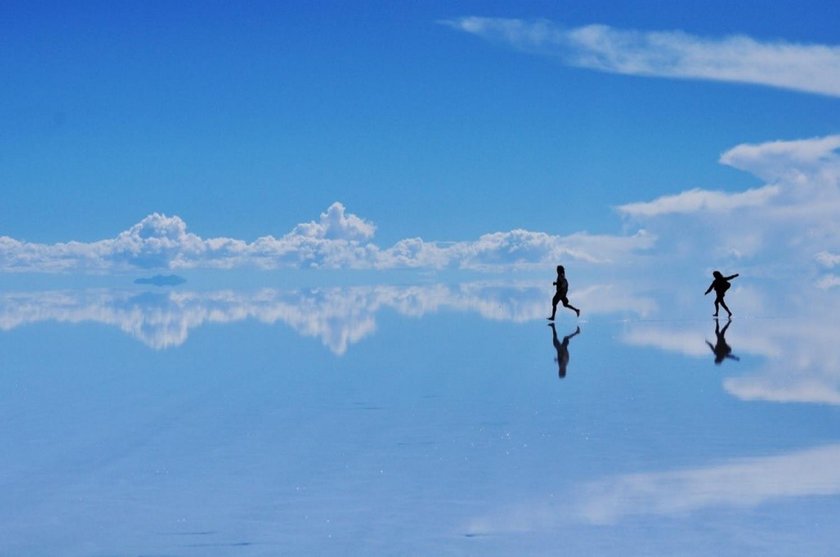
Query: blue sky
[[248, 120], [634, 142]]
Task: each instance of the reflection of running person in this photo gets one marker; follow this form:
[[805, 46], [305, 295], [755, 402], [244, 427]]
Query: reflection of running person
[[721, 349], [562, 349], [720, 285], [562, 290]]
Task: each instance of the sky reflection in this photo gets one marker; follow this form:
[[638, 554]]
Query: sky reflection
[[744, 482], [444, 415], [799, 361], [338, 316], [737, 483], [798, 354]]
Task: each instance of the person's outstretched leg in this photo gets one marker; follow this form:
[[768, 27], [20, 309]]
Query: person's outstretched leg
[[725, 307], [570, 306]]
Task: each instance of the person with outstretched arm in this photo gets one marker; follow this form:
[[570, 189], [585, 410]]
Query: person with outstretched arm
[[721, 348], [720, 285]]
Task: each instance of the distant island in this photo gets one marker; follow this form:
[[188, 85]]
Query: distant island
[[162, 280]]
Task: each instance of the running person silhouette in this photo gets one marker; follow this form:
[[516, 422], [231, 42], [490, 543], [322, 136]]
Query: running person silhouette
[[562, 290], [562, 349], [720, 285]]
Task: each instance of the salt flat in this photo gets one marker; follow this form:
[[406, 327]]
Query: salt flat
[[414, 420]]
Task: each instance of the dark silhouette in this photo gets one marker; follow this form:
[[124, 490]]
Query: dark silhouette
[[562, 290], [562, 348], [720, 349], [720, 285]]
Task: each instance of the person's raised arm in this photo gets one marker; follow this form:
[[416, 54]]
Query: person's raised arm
[[732, 277]]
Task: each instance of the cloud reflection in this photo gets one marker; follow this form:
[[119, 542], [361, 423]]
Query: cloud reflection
[[799, 358], [338, 316], [739, 482], [745, 482]]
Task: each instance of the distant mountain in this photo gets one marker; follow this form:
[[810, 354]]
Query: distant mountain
[[162, 280]]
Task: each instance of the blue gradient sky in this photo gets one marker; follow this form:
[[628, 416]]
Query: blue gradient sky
[[245, 120], [419, 414]]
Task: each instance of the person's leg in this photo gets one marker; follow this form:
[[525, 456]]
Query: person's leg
[[554, 302], [570, 306], [725, 307], [717, 306]]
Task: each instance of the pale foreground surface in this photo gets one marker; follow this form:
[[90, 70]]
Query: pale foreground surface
[[425, 420]]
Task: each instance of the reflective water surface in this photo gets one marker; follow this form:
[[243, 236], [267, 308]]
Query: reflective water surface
[[441, 419]]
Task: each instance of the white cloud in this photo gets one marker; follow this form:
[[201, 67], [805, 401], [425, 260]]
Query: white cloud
[[791, 219], [828, 281], [788, 161], [800, 174], [695, 200], [335, 224], [672, 54], [518, 248], [338, 240], [828, 259]]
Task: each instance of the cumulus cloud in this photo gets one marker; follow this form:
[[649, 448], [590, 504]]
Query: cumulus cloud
[[810, 68], [791, 218], [337, 240], [798, 172], [336, 224], [516, 249]]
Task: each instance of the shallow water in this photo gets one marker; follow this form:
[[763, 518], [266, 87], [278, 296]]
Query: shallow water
[[412, 420]]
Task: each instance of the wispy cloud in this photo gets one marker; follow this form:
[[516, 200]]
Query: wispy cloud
[[742, 482], [696, 200], [811, 68], [828, 281], [789, 161], [828, 259]]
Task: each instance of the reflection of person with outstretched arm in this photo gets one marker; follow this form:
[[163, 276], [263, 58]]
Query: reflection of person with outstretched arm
[[562, 349], [561, 295], [721, 349], [720, 285]]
